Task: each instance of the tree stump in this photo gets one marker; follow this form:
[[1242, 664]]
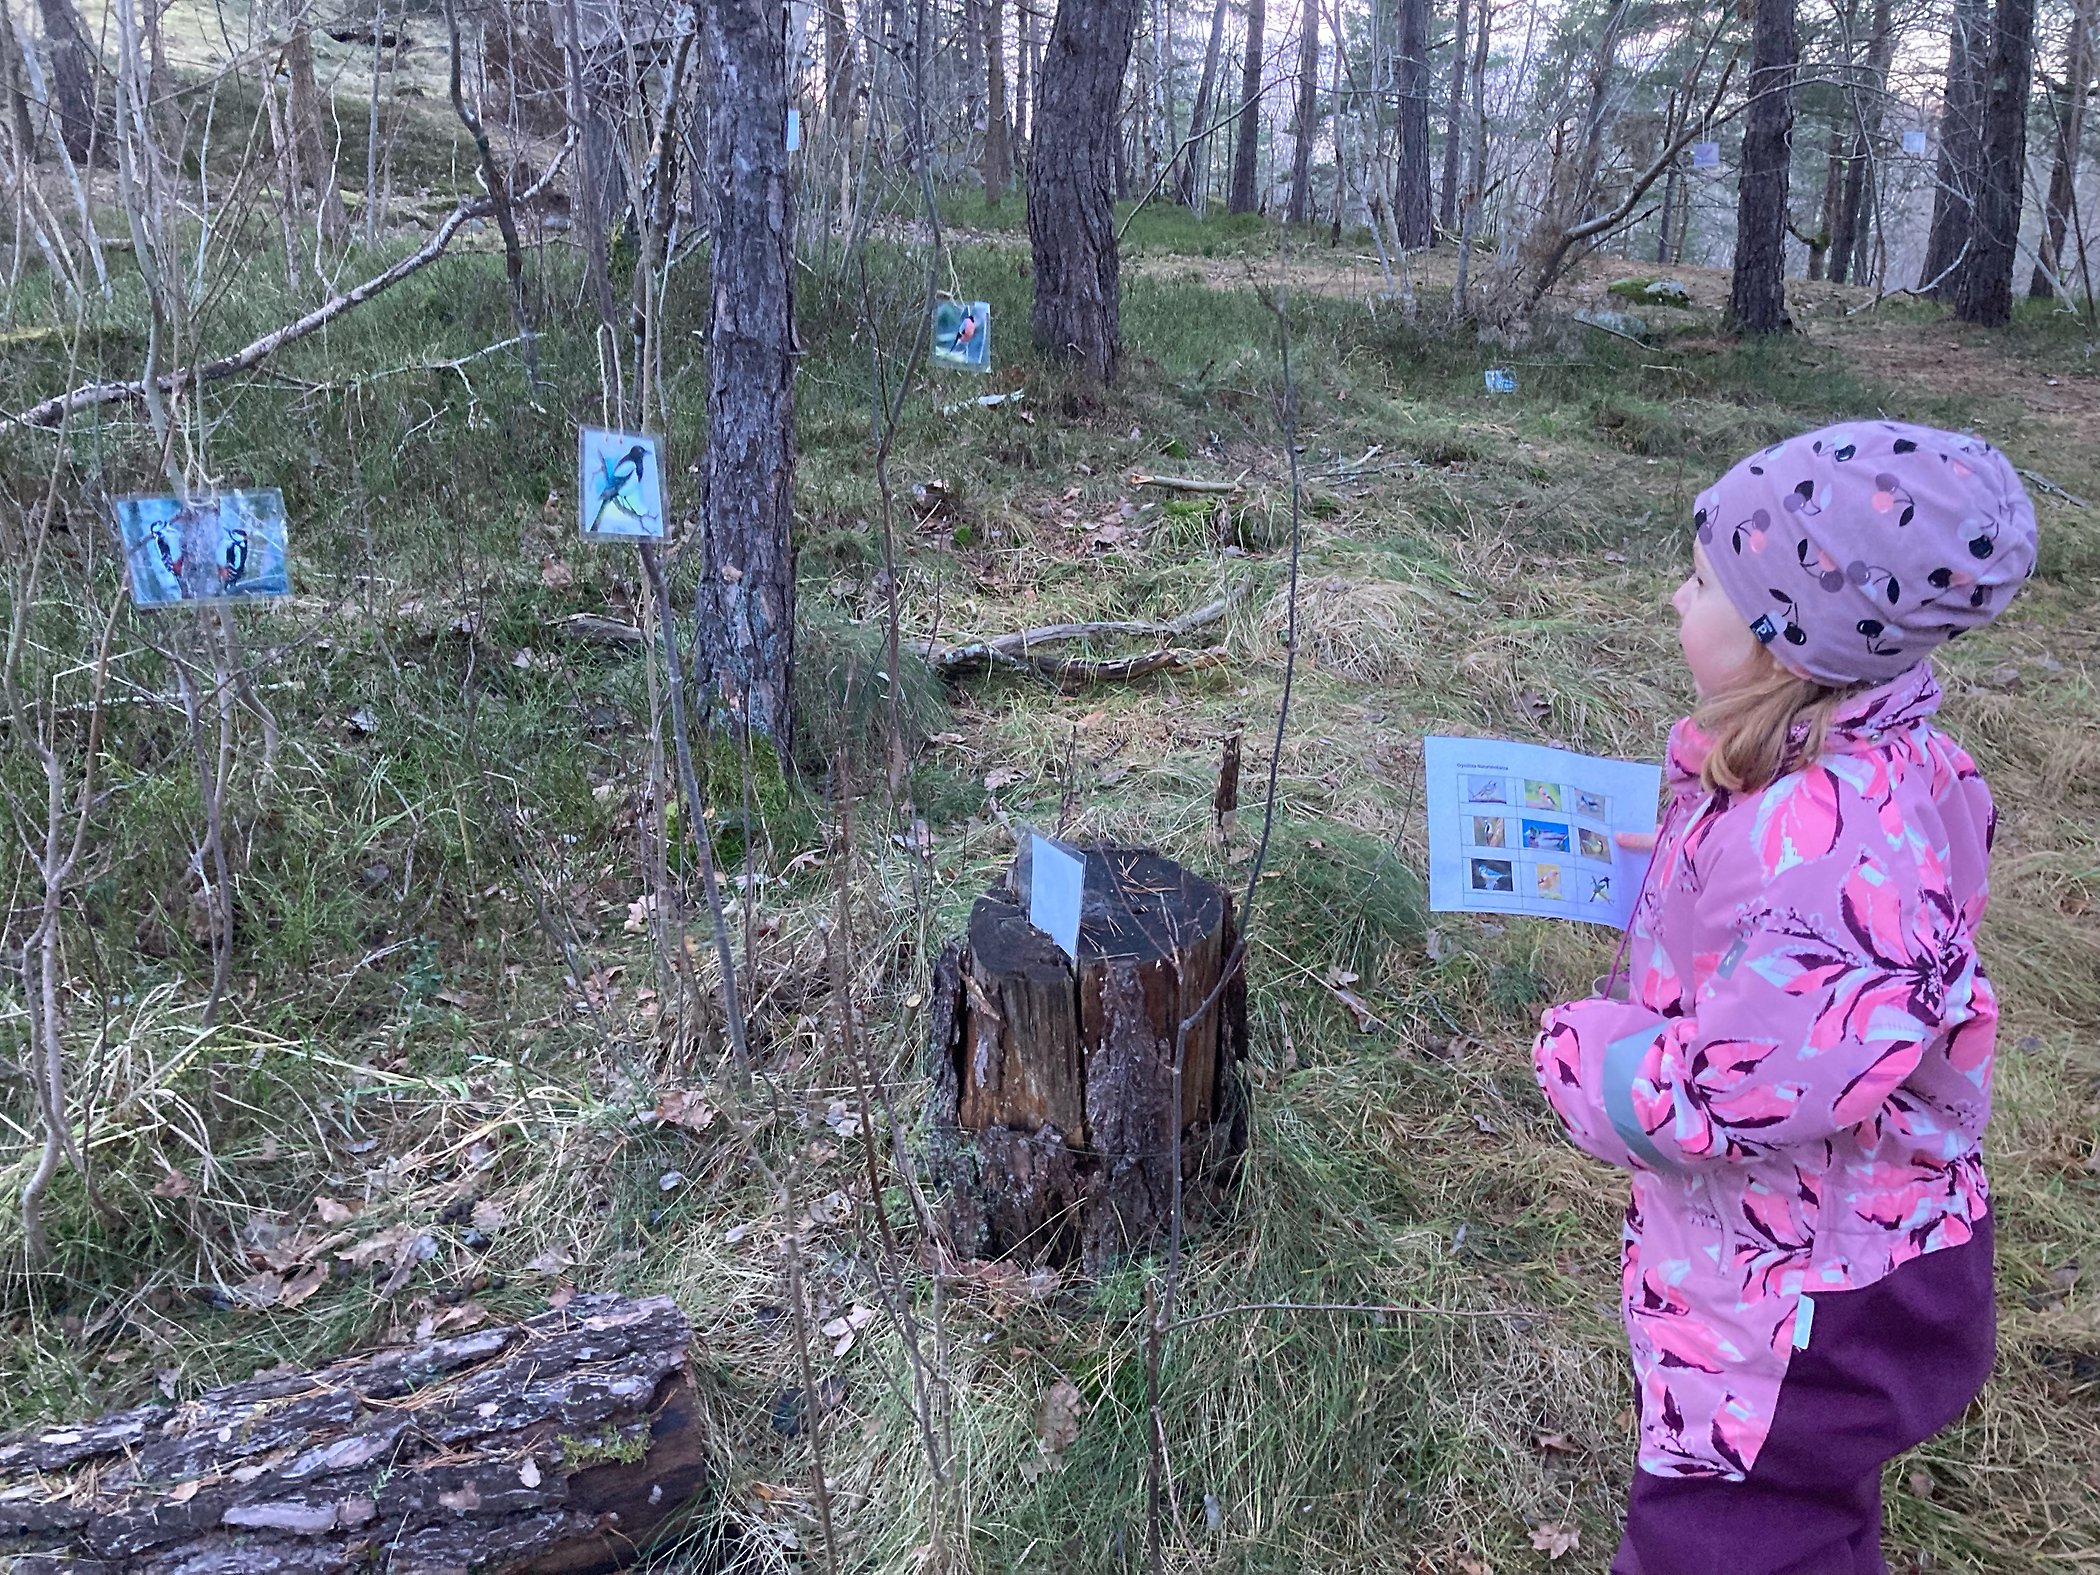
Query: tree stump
[[1053, 1085], [557, 1445]]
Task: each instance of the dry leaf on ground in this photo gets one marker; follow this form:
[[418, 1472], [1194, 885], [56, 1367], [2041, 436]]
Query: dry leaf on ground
[[1556, 1541]]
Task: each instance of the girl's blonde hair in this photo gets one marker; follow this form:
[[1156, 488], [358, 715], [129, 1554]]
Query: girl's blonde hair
[[1771, 723]]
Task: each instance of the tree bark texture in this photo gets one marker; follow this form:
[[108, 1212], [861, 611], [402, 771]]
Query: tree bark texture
[[1848, 245], [1983, 291], [1308, 113], [1833, 196], [1053, 1087], [998, 166], [1961, 144], [1413, 217], [558, 1445], [1454, 120], [839, 83], [1071, 173], [1757, 290], [2067, 125], [745, 604], [1246, 157], [1193, 172], [73, 73], [303, 104]]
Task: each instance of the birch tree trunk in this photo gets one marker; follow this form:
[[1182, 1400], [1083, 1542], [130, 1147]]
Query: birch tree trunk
[[1246, 155], [745, 604], [1071, 219], [2067, 122], [1983, 292], [1413, 216], [1757, 291], [1447, 198], [1308, 113], [1961, 143]]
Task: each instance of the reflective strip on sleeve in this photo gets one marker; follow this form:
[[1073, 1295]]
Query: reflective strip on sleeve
[[1622, 1062]]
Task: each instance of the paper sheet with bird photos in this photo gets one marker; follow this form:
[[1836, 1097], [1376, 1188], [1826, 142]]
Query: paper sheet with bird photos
[[1521, 828]]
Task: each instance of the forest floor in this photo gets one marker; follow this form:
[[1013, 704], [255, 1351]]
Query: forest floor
[[411, 1088]]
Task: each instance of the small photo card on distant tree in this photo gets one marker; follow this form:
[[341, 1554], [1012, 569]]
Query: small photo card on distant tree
[[962, 335], [1914, 141], [620, 493], [218, 547], [1706, 155]]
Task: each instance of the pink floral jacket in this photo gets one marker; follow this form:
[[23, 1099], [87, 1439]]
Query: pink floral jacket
[[1800, 1073]]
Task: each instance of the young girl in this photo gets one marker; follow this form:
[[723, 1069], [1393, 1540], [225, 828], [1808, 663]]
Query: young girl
[[1797, 1069]]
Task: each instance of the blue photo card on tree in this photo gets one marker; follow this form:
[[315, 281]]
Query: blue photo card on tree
[[620, 488], [218, 547]]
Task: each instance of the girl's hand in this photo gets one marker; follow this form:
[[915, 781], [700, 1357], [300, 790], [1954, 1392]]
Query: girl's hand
[[1635, 841]]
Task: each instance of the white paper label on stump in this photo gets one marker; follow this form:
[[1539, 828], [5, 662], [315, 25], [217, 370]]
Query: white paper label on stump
[[1056, 884]]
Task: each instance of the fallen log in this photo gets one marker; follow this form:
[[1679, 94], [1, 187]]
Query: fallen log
[[562, 1444], [1022, 650]]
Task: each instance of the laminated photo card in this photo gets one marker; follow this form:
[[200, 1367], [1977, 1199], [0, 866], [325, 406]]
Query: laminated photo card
[[962, 335], [620, 488], [219, 547], [1519, 828]]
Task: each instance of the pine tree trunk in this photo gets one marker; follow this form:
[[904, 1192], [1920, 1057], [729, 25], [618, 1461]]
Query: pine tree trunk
[[304, 106], [1246, 155], [1308, 112], [1855, 208], [1071, 220], [1413, 216], [1447, 198], [1163, 65], [745, 603], [1961, 144], [1983, 291], [839, 81], [1757, 291], [2067, 123], [73, 72], [998, 167], [1194, 171]]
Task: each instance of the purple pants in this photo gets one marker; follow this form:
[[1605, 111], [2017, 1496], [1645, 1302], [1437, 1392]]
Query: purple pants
[[1885, 1368]]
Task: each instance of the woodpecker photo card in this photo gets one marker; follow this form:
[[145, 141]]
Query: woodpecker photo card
[[962, 335], [620, 490], [216, 547]]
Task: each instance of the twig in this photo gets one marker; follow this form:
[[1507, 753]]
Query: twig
[[1184, 483], [1163, 1306], [2047, 485], [1371, 1309], [1017, 649]]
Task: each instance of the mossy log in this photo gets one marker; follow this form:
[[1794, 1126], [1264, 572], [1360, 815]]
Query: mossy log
[[562, 1444], [1053, 1119]]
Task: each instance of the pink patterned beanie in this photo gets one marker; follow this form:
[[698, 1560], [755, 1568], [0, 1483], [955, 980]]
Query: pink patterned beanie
[[1854, 551]]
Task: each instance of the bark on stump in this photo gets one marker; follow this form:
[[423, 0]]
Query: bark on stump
[[1053, 1086], [557, 1445]]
